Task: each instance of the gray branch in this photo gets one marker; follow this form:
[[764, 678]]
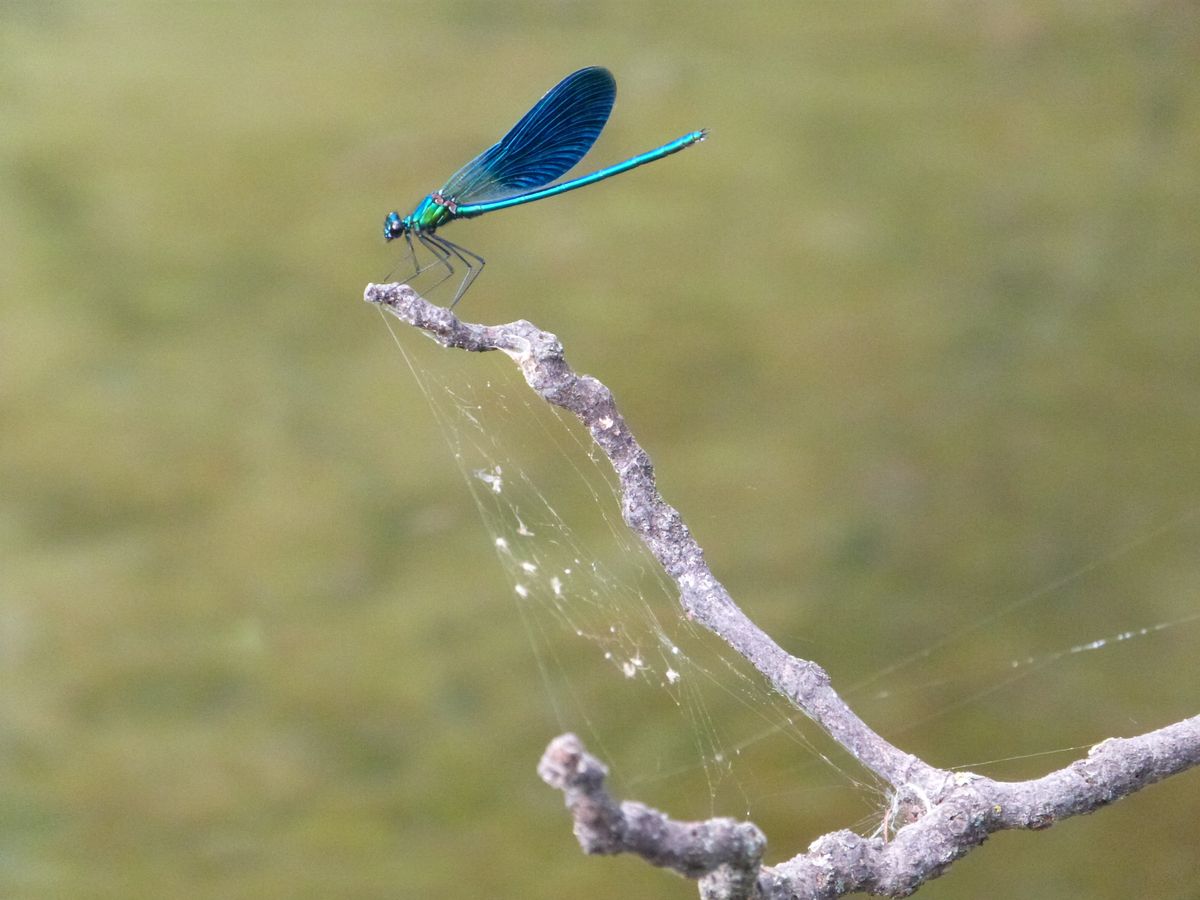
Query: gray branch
[[940, 815], [724, 854]]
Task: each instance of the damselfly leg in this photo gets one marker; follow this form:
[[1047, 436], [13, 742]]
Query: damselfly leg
[[413, 267], [445, 250], [409, 264]]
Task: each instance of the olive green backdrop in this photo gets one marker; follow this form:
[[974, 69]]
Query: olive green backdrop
[[912, 339]]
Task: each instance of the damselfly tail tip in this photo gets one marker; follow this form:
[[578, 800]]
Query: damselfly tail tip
[[703, 134]]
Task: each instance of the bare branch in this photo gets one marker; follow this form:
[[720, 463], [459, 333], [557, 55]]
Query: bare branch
[[540, 357], [723, 852], [940, 815], [843, 862]]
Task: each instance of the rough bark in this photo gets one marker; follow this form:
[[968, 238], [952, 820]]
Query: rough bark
[[940, 815]]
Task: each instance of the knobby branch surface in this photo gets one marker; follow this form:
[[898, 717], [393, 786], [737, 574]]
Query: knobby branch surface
[[941, 815]]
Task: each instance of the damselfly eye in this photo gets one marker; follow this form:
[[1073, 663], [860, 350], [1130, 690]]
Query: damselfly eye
[[393, 226]]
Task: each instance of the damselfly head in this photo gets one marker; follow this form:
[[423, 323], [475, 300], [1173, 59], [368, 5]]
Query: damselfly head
[[393, 227]]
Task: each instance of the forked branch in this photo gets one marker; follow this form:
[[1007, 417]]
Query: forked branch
[[945, 814]]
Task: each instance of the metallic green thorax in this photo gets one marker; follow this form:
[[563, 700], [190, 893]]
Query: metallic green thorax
[[431, 213]]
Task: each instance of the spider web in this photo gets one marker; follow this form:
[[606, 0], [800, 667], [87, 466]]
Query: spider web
[[670, 707]]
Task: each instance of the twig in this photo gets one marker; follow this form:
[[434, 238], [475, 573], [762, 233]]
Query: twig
[[942, 815], [724, 853], [540, 358]]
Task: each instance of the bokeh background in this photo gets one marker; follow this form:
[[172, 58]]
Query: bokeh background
[[912, 339]]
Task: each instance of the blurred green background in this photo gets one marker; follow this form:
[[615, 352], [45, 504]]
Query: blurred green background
[[912, 339]]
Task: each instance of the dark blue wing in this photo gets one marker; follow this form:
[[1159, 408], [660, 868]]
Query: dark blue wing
[[548, 141]]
